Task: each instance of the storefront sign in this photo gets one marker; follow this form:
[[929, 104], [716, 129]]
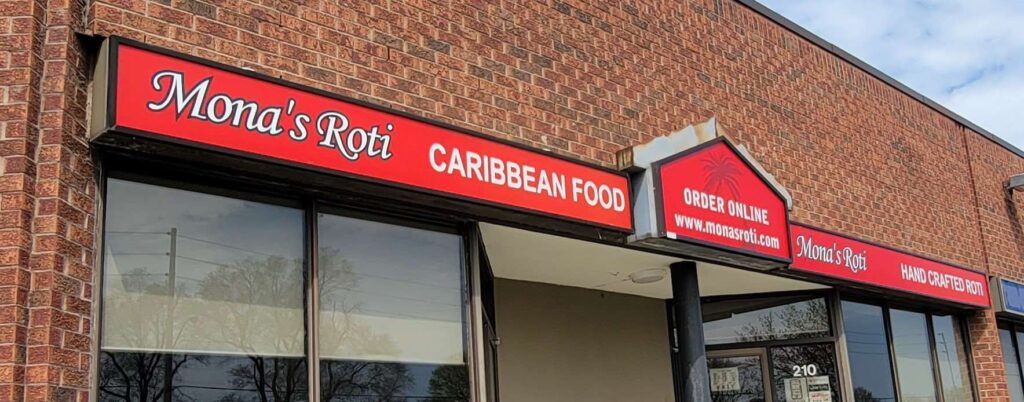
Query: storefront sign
[[711, 195], [836, 256], [1009, 296], [156, 93]]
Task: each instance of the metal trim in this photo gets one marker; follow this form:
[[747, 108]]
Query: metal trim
[[476, 361], [887, 323], [312, 272], [100, 175], [844, 372]]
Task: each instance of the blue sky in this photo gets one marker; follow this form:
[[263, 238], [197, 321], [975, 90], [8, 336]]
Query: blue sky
[[965, 55]]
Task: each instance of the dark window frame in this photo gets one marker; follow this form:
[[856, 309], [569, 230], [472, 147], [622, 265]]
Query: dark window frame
[[310, 202], [961, 319], [826, 294]]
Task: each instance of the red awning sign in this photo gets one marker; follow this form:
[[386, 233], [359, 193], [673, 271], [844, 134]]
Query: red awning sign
[[172, 97], [712, 196], [828, 254]]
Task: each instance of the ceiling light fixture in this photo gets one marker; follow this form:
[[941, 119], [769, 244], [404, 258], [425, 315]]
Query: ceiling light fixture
[[648, 276]]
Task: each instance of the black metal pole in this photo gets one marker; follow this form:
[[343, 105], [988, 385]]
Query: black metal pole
[[691, 372]]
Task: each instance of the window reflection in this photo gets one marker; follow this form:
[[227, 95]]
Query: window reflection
[[391, 317], [868, 350], [765, 319], [913, 356], [811, 362], [127, 376], [202, 298], [739, 379], [950, 349]]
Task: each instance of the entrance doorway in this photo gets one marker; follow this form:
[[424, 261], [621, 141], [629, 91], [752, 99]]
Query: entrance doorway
[[755, 375], [775, 347]]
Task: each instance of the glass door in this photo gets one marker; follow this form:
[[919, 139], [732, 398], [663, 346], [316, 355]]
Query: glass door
[[739, 375]]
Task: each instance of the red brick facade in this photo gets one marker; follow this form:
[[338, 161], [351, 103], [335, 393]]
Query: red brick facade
[[583, 79]]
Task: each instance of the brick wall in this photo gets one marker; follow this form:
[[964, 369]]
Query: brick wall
[[21, 63], [999, 214], [579, 78], [987, 354]]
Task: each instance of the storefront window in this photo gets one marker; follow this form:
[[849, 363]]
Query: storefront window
[[205, 298], [868, 350], [950, 350], [202, 298], [765, 319], [1010, 359], [913, 356], [922, 345], [391, 317]]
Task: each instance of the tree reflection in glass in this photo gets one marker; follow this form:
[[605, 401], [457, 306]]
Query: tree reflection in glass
[[391, 316], [202, 298], [765, 319], [796, 361]]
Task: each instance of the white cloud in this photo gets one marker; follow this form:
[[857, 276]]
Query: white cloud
[[965, 55]]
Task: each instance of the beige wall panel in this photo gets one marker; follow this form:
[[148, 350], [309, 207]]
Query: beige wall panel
[[569, 344]]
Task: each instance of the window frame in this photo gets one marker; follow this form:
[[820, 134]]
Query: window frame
[[887, 306], [827, 294], [311, 202], [159, 177]]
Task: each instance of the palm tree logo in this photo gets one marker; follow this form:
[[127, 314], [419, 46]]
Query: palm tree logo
[[720, 174]]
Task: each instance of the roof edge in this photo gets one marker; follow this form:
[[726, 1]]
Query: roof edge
[[849, 58]]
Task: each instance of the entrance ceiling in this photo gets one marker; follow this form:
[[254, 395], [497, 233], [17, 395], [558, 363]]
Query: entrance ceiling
[[529, 256]]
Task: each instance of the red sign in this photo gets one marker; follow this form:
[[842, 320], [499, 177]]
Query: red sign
[[199, 103], [828, 254], [712, 196]]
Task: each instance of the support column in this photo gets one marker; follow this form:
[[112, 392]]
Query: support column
[[691, 372]]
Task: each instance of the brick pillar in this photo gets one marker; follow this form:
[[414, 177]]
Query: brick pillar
[[46, 204], [61, 261], [21, 68], [988, 357]]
